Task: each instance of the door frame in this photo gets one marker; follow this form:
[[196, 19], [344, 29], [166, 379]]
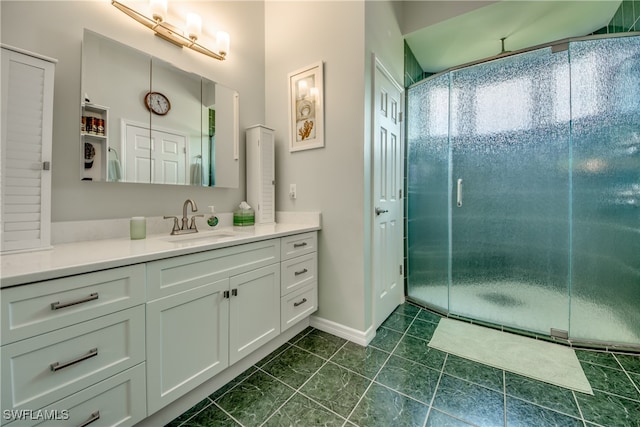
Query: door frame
[[378, 65]]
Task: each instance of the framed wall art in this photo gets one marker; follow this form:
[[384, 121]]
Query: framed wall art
[[306, 112]]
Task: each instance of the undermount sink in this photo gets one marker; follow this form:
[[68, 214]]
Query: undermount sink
[[201, 236]]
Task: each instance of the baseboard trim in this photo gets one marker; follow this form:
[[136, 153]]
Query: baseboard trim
[[362, 338]]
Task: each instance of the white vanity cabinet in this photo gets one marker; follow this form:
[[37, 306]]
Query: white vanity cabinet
[[119, 344], [299, 286], [63, 338], [210, 310]]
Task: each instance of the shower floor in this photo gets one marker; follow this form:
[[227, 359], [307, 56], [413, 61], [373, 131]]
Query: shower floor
[[531, 308]]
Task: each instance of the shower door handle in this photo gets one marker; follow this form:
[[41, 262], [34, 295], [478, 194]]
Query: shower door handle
[[459, 202]]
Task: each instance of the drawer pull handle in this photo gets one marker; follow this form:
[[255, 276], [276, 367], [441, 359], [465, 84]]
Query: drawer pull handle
[[94, 417], [304, 270], [300, 245], [58, 306], [295, 304], [57, 366]]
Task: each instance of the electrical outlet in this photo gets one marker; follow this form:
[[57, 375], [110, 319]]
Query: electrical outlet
[[292, 191]]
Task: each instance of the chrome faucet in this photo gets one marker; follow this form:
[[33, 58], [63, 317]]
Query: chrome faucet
[[186, 226]]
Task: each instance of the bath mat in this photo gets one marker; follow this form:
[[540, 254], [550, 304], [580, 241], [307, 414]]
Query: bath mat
[[544, 361]]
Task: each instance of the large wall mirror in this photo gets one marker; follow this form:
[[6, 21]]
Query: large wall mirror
[[147, 121]]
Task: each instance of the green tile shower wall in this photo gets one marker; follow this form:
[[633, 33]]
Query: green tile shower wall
[[412, 70], [626, 18]]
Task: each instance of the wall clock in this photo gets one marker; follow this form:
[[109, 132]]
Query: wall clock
[[157, 103]]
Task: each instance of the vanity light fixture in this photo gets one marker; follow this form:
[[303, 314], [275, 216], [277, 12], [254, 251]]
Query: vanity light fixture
[[172, 33]]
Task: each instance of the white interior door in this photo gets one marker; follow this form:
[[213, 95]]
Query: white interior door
[[159, 156], [168, 157], [137, 154], [387, 209]]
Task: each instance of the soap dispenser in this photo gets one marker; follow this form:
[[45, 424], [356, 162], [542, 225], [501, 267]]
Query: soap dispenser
[[213, 219]]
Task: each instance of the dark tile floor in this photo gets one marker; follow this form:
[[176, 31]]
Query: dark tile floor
[[317, 379]]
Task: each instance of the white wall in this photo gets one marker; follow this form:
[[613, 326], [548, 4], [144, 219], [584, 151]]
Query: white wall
[[54, 29], [328, 179], [335, 179]]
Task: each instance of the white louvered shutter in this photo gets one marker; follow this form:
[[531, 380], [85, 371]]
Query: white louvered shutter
[[261, 190], [27, 115]]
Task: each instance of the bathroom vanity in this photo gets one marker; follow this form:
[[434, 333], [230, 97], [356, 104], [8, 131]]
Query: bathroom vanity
[[118, 329]]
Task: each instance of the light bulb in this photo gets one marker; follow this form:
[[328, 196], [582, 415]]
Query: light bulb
[[222, 39], [158, 9], [194, 25]]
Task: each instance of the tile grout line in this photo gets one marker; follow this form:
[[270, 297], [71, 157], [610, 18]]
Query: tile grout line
[[435, 390], [373, 380], [627, 374], [211, 403], [228, 414], [325, 362], [637, 399], [575, 399], [257, 368]]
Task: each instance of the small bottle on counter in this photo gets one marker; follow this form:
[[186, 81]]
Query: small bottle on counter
[[212, 221]]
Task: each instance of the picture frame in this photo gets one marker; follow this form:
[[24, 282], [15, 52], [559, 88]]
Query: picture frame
[[306, 108]]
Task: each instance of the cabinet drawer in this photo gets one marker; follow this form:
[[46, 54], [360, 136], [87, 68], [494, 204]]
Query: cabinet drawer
[[116, 401], [298, 305], [170, 276], [299, 272], [42, 307], [41, 370], [299, 244]]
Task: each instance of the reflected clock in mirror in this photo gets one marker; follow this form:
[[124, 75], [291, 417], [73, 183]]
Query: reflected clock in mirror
[[177, 128], [157, 103]]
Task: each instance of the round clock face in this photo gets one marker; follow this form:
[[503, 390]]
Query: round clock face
[[157, 103]]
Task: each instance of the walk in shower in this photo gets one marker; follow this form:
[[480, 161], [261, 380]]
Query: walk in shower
[[523, 180]]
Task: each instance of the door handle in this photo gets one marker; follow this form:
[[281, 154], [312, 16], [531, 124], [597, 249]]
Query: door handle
[[381, 211], [459, 192]]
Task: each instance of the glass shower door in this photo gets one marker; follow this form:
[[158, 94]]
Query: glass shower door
[[605, 99], [510, 191]]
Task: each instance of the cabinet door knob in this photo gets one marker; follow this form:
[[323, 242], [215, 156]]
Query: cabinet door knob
[[234, 292]]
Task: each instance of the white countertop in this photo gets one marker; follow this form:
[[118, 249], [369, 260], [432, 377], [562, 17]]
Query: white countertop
[[67, 259]]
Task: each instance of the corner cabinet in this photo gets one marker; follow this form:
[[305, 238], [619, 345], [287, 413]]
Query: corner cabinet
[[261, 178], [27, 123]]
